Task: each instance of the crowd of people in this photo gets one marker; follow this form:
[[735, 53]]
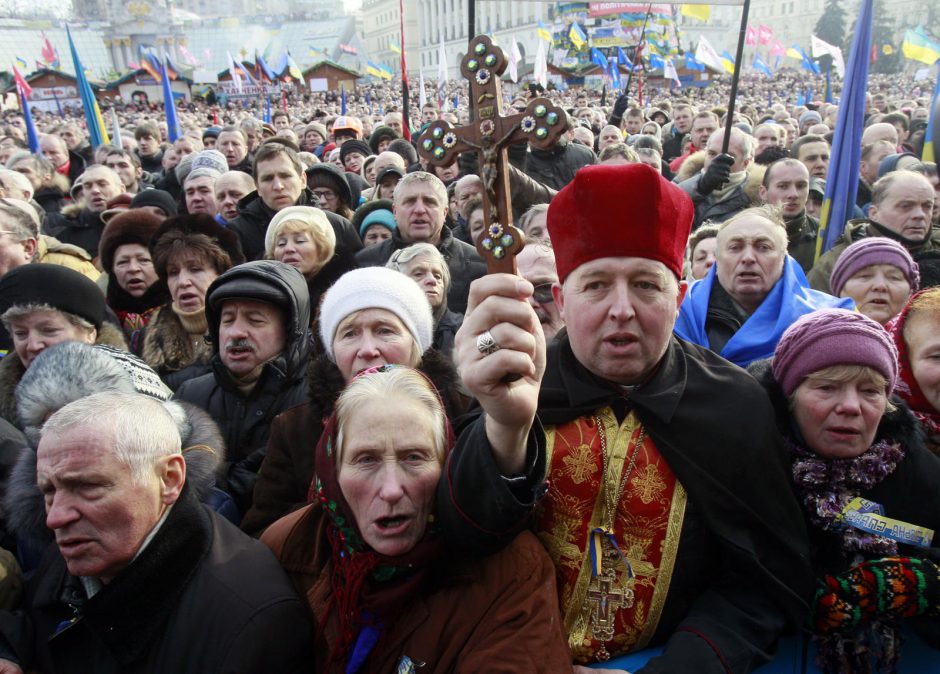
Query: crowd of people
[[263, 409]]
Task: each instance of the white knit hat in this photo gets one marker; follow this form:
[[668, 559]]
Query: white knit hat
[[377, 288], [308, 215]]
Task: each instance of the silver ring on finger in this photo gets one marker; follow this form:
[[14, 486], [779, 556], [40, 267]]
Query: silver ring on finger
[[486, 344]]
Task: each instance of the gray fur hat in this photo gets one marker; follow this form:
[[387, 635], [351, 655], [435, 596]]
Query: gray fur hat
[[70, 371]]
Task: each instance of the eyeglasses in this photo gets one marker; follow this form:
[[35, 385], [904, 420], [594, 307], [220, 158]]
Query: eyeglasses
[[543, 293], [324, 194]]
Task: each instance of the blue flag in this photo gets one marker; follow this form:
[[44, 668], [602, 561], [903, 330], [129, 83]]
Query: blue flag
[[800, 100], [806, 62], [614, 73], [622, 58], [692, 63], [97, 133], [598, 58], [809, 94], [172, 123], [657, 62], [842, 181], [342, 99], [267, 110], [762, 67], [31, 136]]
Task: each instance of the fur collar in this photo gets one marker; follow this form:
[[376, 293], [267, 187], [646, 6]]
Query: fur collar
[[167, 345]]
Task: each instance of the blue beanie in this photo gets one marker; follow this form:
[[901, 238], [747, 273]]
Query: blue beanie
[[378, 217]]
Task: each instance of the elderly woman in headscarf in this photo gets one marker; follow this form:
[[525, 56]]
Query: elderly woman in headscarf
[[303, 237], [385, 591], [42, 305], [424, 264], [879, 274], [866, 483], [135, 291], [189, 252], [916, 333], [370, 317]]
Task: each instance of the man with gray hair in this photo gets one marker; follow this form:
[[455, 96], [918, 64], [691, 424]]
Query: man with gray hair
[[142, 577], [420, 205], [718, 190]]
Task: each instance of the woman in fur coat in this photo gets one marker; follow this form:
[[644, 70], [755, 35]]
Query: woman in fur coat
[[189, 252]]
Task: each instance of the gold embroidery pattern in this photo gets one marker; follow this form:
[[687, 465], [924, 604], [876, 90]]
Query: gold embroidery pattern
[[647, 485], [579, 463]]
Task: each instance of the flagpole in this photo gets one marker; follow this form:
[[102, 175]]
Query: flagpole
[[405, 100], [639, 49], [739, 54]]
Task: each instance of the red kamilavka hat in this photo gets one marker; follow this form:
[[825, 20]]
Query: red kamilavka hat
[[619, 211]]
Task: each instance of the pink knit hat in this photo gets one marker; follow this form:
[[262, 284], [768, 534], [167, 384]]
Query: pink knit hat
[[869, 251], [833, 337]]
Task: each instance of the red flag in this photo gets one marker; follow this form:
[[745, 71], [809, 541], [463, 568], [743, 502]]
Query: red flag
[[874, 54], [764, 34], [49, 53], [21, 83], [750, 37]]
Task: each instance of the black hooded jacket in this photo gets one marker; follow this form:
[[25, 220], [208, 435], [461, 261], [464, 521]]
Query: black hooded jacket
[[245, 420]]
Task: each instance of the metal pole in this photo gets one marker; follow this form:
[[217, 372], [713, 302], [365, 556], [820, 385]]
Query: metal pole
[[729, 122], [471, 33]]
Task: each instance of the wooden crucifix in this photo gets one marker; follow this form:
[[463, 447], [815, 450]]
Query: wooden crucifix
[[540, 124]]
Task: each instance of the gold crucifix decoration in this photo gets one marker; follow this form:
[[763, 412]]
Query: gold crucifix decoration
[[540, 124]]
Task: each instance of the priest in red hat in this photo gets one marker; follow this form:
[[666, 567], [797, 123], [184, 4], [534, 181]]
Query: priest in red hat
[[652, 472]]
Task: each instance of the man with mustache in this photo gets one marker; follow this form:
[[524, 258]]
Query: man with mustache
[[259, 324]]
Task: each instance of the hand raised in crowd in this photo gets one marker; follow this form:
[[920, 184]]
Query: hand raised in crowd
[[500, 354], [716, 175]]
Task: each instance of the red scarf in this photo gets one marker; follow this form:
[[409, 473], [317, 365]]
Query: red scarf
[[908, 388]]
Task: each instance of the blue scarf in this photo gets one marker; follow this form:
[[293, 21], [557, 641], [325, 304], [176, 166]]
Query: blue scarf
[[790, 298]]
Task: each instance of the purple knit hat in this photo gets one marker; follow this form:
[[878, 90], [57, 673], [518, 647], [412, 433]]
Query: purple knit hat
[[833, 337], [869, 251]]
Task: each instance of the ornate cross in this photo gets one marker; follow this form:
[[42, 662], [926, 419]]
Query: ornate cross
[[607, 598], [541, 124]]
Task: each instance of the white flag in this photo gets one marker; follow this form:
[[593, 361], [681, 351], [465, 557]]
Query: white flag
[[236, 77], [669, 72], [115, 129], [820, 48], [422, 94], [707, 55], [515, 56], [441, 71], [541, 65]]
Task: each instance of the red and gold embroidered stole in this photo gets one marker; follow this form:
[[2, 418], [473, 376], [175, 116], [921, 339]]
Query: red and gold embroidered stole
[[646, 527]]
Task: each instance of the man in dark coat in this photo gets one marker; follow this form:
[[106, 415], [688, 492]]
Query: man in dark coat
[[259, 324], [556, 166], [786, 184], [668, 510], [718, 190], [143, 578], [279, 176], [420, 206]]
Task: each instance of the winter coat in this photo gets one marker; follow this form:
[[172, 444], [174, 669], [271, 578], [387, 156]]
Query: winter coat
[[464, 262], [245, 421], [173, 353], [556, 167], [53, 251], [801, 235], [54, 196], [288, 468], [201, 597], [77, 226], [254, 216], [11, 371], [856, 230], [902, 493], [499, 613], [445, 332]]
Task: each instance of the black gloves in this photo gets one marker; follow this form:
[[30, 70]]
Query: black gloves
[[716, 175], [621, 104]]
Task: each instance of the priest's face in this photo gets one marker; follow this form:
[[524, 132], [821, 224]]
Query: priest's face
[[620, 312]]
